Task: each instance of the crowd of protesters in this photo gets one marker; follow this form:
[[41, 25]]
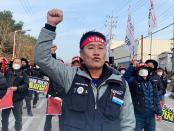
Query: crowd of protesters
[[15, 75], [96, 96]]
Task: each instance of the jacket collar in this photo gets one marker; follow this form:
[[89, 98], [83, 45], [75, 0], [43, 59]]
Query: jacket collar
[[109, 74]]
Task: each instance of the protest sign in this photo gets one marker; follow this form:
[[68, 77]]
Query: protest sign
[[168, 114], [38, 84]]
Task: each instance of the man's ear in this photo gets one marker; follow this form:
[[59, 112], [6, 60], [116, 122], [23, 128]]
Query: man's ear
[[81, 54]]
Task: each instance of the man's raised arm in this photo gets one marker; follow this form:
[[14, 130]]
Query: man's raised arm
[[56, 71]]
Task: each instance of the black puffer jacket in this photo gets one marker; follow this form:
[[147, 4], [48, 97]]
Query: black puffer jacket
[[19, 79], [139, 87], [164, 82], [3, 85], [154, 78], [140, 90], [55, 90]]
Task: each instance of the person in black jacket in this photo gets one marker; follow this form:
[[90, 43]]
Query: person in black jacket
[[25, 66], [28, 97], [154, 78], [17, 80], [36, 72], [163, 76], [145, 97], [122, 69]]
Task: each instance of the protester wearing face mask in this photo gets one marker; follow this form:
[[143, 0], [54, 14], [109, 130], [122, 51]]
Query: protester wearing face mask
[[159, 72], [18, 81], [122, 69], [154, 78], [145, 97]]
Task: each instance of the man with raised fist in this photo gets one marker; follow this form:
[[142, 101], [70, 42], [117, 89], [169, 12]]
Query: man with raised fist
[[97, 97]]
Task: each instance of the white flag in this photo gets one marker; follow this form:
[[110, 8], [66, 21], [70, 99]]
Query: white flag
[[130, 39], [152, 22]]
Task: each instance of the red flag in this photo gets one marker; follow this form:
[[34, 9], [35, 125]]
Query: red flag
[[54, 106], [3, 67], [7, 100]]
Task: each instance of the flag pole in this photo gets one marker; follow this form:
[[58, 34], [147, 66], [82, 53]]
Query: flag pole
[[141, 48], [150, 46]]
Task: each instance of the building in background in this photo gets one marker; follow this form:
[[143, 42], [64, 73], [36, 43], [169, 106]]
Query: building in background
[[165, 61], [161, 51]]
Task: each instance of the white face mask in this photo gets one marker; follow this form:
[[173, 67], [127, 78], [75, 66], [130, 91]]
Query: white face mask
[[37, 67], [159, 73], [143, 72], [16, 66], [122, 72]]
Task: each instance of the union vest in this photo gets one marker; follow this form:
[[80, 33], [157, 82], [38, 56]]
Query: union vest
[[80, 111]]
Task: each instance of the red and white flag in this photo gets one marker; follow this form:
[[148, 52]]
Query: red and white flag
[[7, 100], [130, 38], [54, 106], [152, 21]]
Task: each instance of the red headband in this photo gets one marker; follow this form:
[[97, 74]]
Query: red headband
[[92, 39]]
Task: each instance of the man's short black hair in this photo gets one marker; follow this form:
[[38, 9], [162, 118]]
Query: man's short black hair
[[92, 33], [26, 61]]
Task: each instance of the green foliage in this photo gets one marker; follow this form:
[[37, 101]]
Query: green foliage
[[24, 43]]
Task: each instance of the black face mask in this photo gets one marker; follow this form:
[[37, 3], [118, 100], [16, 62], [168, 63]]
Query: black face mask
[[23, 66], [150, 69]]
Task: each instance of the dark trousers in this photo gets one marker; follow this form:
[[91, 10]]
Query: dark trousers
[[36, 97], [146, 123], [28, 103], [48, 125], [17, 112]]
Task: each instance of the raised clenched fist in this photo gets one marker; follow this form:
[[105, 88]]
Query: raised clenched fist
[[53, 49], [134, 62], [1, 59], [54, 17], [14, 88]]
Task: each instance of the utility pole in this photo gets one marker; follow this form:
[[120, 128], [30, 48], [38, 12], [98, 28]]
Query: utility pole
[[14, 42], [173, 49], [142, 48], [111, 22]]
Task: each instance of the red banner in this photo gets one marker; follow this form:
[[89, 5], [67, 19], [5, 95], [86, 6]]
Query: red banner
[[54, 106], [7, 100]]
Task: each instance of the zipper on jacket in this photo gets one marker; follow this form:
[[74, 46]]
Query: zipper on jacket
[[97, 97], [96, 106]]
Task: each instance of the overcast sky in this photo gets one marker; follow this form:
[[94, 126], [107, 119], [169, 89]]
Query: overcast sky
[[84, 15]]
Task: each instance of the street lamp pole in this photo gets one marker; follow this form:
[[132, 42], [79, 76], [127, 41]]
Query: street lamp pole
[[14, 41]]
